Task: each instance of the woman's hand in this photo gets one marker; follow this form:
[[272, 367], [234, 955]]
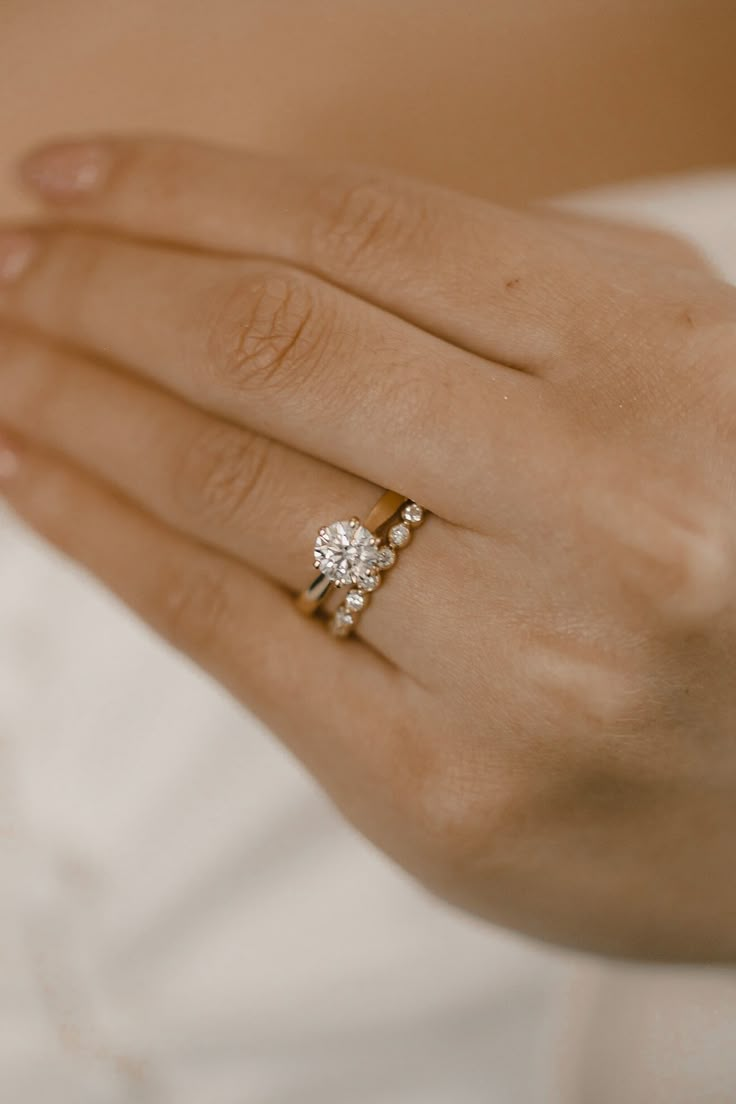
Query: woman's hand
[[208, 354]]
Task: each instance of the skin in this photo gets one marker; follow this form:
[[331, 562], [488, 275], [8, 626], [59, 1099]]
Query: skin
[[511, 101], [208, 353]]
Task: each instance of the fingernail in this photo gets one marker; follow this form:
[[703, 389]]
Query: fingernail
[[68, 171], [9, 459], [16, 252]]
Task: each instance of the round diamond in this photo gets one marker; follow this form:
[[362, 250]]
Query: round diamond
[[386, 557], [412, 513], [346, 552], [371, 583], [399, 535], [355, 601], [342, 622]]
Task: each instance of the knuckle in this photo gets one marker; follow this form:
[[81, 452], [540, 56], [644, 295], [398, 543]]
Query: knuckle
[[692, 566], [222, 475], [193, 606], [456, 803], [674, 544], [269, 327], [599, 693], [473, 823], [363, 219]]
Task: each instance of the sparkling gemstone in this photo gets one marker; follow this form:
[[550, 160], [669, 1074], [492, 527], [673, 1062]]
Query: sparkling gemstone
[[386, 557], [371, 583], [342, 622], [355, 601], [346, 552], [399, 535], [412, 513]]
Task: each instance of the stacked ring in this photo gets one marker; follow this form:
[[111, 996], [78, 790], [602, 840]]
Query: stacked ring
[[349, 554]]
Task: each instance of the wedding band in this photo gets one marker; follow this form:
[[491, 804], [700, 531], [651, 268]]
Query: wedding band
[[350, 554], [387, 507]]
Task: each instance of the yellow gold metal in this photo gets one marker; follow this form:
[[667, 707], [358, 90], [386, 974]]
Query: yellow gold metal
[[347, 617], [388, 505]]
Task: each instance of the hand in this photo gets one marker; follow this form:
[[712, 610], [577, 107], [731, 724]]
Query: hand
[[208, 354]]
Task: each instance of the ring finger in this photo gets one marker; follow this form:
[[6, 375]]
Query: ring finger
[[225, 486]]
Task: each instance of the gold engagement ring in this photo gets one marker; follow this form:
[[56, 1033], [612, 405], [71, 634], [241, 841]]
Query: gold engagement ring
[[350, 554]]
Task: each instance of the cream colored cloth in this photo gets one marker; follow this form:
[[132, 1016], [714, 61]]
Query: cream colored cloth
[[184, 918]]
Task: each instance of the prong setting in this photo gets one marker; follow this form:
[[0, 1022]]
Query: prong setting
[[348, 555]]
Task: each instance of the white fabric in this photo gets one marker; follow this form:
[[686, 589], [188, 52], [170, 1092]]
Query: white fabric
[[184, 918]]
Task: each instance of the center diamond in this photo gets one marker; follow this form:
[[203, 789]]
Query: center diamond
[[347, 553]]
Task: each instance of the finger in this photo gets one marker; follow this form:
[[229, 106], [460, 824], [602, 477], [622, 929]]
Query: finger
[[295, 359], [627, 237], [214, 481], [332, 702], [224, 486], [499, 283]]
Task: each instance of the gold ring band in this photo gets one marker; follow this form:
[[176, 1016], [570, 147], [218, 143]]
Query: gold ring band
[[349, 554]]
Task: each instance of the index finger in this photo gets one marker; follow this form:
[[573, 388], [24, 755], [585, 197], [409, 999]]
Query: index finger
[[496, 282]]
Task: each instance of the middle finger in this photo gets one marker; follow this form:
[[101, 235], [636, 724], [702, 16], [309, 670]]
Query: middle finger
[[299, 360]]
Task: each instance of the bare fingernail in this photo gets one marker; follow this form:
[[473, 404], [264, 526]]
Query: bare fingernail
[[17, 249], [68, 170], [9, 459]]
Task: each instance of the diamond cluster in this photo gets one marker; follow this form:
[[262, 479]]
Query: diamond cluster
[[350, 555]]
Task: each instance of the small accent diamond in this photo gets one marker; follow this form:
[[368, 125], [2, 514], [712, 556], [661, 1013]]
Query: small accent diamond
[[412, 513], [355, 601], [371, 583], [399, 535], [342, 622], [386, 557]]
